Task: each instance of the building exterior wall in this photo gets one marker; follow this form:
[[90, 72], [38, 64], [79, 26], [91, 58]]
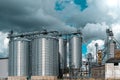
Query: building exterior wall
[[112, 71], [117, 53], [98, 72], [3, 68]]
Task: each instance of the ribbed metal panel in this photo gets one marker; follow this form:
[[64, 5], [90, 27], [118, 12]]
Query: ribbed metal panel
[[112, 50], [18, 57], [76, 52], [45, 56], [63, 53]]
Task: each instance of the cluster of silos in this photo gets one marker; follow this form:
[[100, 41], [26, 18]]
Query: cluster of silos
[[36, 56], [43, 55]]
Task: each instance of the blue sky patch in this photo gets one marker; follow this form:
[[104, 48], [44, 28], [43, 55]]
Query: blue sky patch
[[59, 5], [62, 4], [84, 48], [81, 3]]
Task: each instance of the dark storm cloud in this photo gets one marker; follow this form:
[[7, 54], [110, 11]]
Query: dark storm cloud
[[31, 15], [15, 14], [28, 15]]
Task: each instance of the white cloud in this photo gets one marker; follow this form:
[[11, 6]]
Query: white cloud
[[92, 49], [4, 44], [83, 57], [98, 31], [94, 31], [116, 30], [98, 11]]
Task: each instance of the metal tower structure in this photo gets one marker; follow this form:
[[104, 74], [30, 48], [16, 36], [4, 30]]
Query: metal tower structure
[[96, 45]]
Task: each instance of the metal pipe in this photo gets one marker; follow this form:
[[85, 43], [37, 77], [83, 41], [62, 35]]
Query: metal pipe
[[96, 45]]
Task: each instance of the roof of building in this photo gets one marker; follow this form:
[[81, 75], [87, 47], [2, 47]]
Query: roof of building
[[97, 66], [113, 60]]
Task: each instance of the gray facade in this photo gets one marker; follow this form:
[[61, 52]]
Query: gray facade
[[3, 67]]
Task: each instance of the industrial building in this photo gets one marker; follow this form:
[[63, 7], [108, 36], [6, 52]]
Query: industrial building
[[3, 68], [98, 72], [107, 65], [112, 68], [43, 55]]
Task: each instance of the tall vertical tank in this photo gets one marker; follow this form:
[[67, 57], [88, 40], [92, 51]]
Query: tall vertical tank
[[76, 51], [18, 57], [45, 56], [63, 53], [111, 48]]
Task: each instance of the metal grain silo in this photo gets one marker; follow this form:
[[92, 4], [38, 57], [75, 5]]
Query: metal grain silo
[[63, 53], [45, 56], [76, 51], [18, 57]]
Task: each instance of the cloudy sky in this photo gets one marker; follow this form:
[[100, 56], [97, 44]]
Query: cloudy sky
[[93, 17]]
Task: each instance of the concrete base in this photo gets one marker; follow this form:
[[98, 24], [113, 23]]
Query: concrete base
[[17, 78], [44, 78], [3, 78]]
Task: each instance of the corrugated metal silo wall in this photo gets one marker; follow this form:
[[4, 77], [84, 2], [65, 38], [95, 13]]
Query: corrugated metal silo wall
[[18, 57], [63, 53], [76, 51], [45, 56]]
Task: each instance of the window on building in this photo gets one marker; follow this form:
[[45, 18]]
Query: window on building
[[115, 64]]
